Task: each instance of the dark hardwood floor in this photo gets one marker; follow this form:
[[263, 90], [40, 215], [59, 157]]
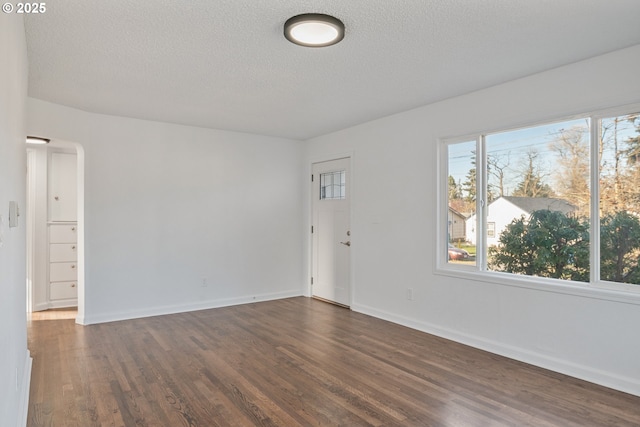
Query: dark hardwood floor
[[293, 362]]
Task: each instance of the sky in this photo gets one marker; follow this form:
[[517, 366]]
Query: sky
[[511, 148]]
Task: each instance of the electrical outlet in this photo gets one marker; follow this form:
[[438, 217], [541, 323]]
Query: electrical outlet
[[204, 282], [410, 294]]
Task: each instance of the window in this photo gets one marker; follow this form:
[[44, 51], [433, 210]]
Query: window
[[619, 203], [542, 200], [461, 194], [491, 229], [332, 185]]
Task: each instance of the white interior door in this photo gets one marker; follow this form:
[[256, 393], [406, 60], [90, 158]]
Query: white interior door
[[331, 231]]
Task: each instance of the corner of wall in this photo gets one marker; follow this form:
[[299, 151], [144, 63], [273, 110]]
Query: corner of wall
[[23, 408]]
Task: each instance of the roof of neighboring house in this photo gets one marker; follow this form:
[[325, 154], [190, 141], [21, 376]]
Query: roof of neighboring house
[[457, 213], [530, 204]]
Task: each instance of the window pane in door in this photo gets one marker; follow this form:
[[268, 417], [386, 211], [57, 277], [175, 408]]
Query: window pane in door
[[332, 185]]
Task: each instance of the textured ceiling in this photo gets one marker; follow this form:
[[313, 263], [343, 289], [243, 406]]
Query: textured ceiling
[[225, 64]]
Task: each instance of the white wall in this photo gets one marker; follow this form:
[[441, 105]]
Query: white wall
[[15, 364], [168, 206], [394, 233]]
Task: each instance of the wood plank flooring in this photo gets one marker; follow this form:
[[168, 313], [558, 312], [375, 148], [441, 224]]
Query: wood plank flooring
[[293, 362]]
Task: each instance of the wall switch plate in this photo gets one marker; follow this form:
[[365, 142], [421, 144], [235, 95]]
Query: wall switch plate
[[14, 213], [410, 294]]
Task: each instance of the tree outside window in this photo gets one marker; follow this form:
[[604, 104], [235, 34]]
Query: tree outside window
[[539, 183]]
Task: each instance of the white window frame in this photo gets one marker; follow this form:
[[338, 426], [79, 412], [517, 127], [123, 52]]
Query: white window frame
[[595, 288]]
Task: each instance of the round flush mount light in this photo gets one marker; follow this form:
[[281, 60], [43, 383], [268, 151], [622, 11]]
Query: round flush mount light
[[314, 30], [37, 140]]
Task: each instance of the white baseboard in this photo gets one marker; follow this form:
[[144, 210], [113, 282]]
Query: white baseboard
[[182, 308], [607, 379], [41, 307], [64, 303], [25, 387]]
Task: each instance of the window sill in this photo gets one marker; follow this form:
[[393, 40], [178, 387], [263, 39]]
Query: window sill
[[602, 291]]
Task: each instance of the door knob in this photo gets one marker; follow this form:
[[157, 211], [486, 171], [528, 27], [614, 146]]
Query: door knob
[[347, 243]]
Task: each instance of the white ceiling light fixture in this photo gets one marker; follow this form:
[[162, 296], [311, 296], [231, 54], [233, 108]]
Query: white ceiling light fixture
[[37, 140], [314, 30]]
